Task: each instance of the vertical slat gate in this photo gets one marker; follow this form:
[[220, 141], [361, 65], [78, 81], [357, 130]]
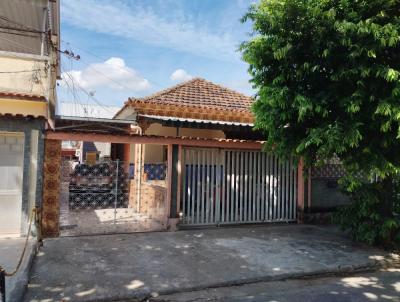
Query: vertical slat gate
[[237, 186]]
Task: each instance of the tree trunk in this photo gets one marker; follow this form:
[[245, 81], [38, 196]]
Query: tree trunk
[[387, 197]]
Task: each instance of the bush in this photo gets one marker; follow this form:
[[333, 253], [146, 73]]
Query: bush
[[367, 220]]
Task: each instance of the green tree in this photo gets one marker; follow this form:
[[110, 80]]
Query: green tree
[[327, 76]]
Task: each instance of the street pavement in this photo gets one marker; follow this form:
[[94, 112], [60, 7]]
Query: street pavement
[[127, 266], [382, 285]]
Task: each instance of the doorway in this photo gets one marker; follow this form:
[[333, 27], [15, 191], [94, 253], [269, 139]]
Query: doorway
[[11, 170]]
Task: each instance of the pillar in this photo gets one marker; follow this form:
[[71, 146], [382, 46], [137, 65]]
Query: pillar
[[51, 188], [173, 180]]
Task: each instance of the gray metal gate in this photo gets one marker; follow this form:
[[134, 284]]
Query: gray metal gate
[[237, 186], [112, 197]]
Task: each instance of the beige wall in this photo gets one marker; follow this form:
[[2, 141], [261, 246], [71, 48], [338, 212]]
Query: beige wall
[[32, 82], [156, 153], [36, 78], [158, 129]]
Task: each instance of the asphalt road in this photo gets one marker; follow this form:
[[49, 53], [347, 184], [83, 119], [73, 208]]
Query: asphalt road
[[377, 286]]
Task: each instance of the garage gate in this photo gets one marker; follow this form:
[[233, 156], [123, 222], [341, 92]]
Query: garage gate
[[237, 186]]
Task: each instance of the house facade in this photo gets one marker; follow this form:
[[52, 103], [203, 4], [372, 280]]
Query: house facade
[[186, 156], [29, 64], [219, 185]]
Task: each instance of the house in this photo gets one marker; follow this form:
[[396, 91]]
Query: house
[[213, 185], [185, 156], [29, 64]]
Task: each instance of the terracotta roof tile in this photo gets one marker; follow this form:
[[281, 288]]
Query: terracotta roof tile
[[21, 95], [200, 93]]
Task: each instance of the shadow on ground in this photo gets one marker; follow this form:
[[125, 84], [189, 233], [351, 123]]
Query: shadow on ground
[[383, 285], [111, 267]]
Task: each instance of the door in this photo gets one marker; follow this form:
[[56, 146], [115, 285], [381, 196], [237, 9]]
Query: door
[[11, 171], [237, 186]]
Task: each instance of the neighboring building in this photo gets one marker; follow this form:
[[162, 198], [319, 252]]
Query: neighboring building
[[82, 112], [29, 65]]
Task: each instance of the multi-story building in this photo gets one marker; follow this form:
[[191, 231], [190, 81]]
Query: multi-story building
[[29, 68]]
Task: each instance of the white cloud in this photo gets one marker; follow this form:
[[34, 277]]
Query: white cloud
[[144, 25], [112, 73], [180, 75]]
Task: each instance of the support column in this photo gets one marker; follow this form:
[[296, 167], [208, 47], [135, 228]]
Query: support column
[[126, 159], [138, 177], [174, 184], [300, 191], [51, 188]]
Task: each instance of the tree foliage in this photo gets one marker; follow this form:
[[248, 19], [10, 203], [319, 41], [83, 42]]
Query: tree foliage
[[327, 76]]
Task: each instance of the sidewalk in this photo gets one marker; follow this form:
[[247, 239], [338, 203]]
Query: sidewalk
[[136, 266], [10, 252]]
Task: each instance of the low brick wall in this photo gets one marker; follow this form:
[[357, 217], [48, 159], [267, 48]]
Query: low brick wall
[[153, 200]]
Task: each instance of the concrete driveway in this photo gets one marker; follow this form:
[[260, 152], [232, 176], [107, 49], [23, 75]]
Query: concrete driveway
[[112, 267]]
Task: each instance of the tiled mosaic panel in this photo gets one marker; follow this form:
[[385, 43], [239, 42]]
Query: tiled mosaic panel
[[51, 185], [153, 171]]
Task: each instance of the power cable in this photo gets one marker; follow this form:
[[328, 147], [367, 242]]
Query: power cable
[[21, 45], [86, 92], [104, 59], [4, 18], [21, 71]]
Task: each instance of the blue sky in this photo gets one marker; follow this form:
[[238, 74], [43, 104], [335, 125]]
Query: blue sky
[[138, 47]]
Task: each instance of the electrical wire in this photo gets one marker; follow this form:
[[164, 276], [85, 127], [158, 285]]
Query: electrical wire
[[20, 71], [104, 59], [85, 91], [20, 45], [4, 18]]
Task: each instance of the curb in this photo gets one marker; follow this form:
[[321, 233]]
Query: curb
[[340, 271]]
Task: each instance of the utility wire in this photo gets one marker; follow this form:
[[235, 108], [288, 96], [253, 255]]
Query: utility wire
[[103, 59], [4, 18], [22, 34], [85, 91], [21, 71], [21, 29], [19, 44]]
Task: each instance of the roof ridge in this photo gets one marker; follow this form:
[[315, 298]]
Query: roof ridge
[[166, 90]]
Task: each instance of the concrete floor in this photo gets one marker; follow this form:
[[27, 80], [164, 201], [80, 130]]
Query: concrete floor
[[101, 221], [112, 267], [382, 285], [10, 252]]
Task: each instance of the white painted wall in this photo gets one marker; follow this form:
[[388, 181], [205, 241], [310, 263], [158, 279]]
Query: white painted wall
[[11, 171]]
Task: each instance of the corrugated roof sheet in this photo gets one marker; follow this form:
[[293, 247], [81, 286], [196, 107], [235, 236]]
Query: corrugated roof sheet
[[86, 110], [191, 120]]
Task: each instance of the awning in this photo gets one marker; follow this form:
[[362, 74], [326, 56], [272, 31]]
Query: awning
[[191, 120]]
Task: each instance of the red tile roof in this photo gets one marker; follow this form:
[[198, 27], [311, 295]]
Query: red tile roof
[[196, 94], [29, 96], [200, 93]]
